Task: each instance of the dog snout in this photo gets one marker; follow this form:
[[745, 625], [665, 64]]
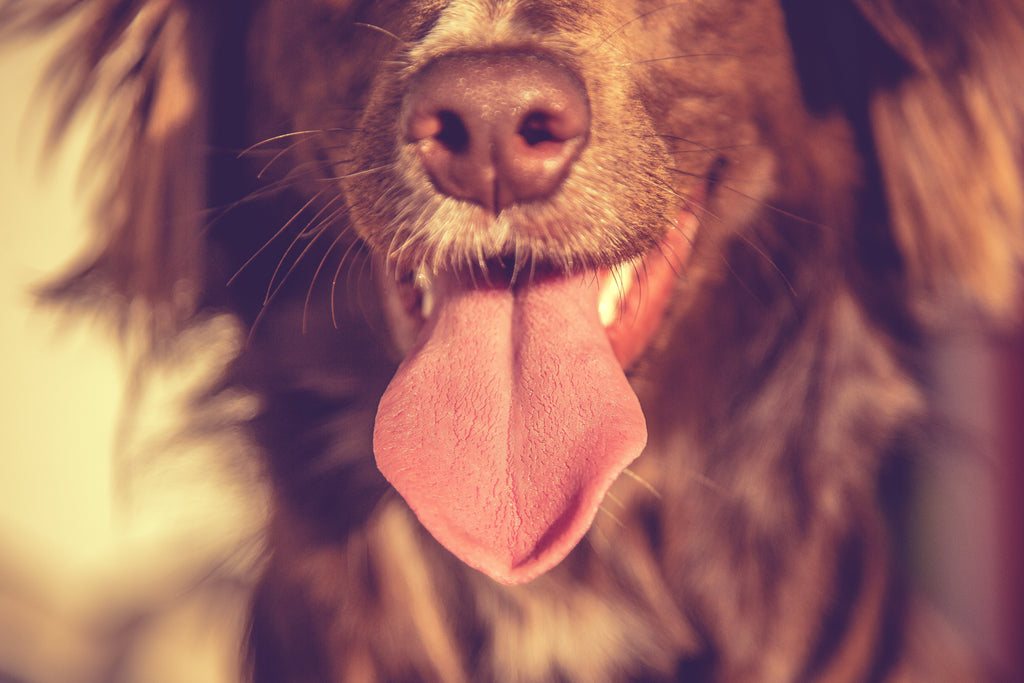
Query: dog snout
[[496, 129]]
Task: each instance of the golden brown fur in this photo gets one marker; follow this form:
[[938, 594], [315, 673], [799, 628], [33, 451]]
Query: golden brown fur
[[856, 170]]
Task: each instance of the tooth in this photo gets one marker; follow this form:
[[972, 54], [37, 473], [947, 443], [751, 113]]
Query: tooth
[[423, 283], [614, 288]]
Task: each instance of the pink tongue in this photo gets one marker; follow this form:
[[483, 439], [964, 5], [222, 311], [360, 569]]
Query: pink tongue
[[507, 423]]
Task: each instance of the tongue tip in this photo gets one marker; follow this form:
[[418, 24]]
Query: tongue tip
[[522, 572], [515, 572], [549, 552], [515, 568], [522, 561]]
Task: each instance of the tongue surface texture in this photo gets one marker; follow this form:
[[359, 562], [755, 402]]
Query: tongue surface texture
[[507, 423]]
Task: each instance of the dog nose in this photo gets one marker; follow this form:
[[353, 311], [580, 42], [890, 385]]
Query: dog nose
[[497, 129]]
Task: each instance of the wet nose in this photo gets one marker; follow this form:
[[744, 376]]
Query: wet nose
[[497, 129]]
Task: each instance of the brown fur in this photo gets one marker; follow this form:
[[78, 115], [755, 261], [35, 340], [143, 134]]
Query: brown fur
[[864, 164]]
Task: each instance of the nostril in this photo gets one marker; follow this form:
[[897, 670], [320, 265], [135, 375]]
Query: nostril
[[453, 133], [444, 126], [536, 129]]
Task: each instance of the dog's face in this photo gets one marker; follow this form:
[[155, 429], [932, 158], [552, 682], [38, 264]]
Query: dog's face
[[542, 184]]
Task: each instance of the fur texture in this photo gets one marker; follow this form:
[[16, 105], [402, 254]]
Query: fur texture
[[855, 171]]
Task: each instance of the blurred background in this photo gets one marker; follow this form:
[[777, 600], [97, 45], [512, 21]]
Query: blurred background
[[123, 559], [120, 558]]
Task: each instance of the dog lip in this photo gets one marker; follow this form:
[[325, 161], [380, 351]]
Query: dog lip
[[636, 295], [633, 299]]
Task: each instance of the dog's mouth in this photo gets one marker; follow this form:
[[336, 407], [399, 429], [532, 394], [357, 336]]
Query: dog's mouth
[[631, 296], [511, 415]]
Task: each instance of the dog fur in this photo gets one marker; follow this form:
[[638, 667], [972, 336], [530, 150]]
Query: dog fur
[[855, 169]]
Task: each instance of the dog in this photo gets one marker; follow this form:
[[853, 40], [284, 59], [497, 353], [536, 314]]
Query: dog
[[586, 334]]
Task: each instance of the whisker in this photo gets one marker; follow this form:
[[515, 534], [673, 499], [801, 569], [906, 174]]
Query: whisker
[[334, 280], [267, 190], [758, 249], [316, 274], [674, 260], [255, 324], [291, 269], [316, 223], [274, 159], [771, 262], [689, 202], [682, 56], [642, 279], [604, 510], [615, 499], [643, 482], [620, 285], [640, 17], [700, 147], [721, 255], [297, 133], [277, 234], [761, 202], [366, 171], [363, 279], [303, 234], [708, 483], [381, 29]]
